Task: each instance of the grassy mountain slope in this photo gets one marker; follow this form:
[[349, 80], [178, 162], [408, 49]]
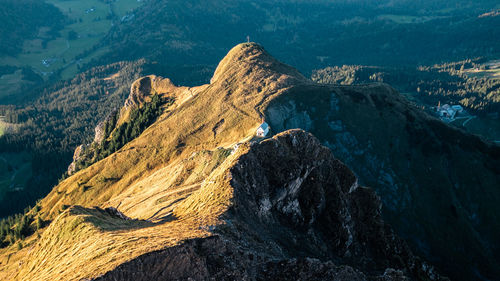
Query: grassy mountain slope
[[175, 137], [187, 176], [21, 20], [220, 116], [61, 118]]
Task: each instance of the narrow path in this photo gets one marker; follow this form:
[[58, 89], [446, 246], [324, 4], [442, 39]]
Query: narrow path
[[183, 188], [466, 121], [192, 188], [167, 193]]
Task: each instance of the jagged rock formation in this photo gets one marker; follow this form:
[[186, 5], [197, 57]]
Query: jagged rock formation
[[419, 166], [76, 157], [287, 202], [290, 192], [216, 259], [141, 92], [145, 87], [100, 133]]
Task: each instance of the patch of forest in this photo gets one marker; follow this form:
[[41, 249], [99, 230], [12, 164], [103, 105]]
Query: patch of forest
[[445, 83], [14, 229], [116, 137], [61, 118], [21, 20]]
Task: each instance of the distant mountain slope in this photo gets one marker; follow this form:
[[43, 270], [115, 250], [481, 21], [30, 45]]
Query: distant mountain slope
[[199, 172], [474, 84], [439, 185], [454, 82], [21, 20], [55, 123], [339, 32]]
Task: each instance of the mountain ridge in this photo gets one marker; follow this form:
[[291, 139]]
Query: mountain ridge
[[188, 175]]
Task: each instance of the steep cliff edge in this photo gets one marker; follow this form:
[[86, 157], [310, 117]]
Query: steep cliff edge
[[439, 185], [293, 206], [149, 97], [274, 208]]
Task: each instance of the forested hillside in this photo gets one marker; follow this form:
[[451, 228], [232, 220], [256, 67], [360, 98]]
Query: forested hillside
[[378, 33], [21, 20], [473, 84], [63, 117], [448, 83]]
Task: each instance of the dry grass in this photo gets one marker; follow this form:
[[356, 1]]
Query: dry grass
[[188, 128], [174, 174], [77, 245]]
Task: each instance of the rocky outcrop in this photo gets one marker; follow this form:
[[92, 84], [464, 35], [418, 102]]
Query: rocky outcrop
[[294, 182], [100, 129], [113, 212], [217, 259], [419, 166], [76, 157], [286, 199], [139, 90], [99, 137], [297, 214], [145, 87]]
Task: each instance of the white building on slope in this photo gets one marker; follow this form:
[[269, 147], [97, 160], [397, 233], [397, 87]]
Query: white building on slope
[[263, 130], [448, 112]]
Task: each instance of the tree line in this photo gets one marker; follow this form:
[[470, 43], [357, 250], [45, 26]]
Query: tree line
[[62, 117], [14, 229], [448, 83], [115, 138]]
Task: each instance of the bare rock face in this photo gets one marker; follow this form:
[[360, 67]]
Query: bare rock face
[[113, 212], [214, 258], [294, 182], [147, 86], [139, 90], [297, 214], [76, 157], [100, 133], [99, 137]]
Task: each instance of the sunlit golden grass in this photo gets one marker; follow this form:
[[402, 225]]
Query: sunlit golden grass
[[220, 114], [174, 177], [78, 244]]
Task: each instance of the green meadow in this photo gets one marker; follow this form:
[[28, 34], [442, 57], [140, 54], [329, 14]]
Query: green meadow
[[89, 22], [491, 70]]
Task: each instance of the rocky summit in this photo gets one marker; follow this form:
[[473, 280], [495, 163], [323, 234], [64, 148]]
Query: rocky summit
[[296, 212], [176, 186]]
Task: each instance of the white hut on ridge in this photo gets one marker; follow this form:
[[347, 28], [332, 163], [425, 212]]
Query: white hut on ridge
[[263, 130]]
